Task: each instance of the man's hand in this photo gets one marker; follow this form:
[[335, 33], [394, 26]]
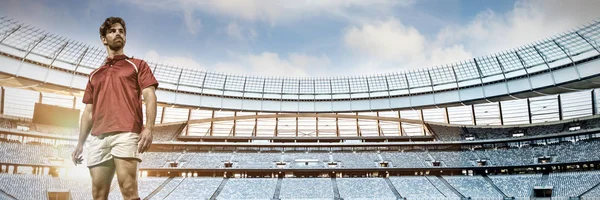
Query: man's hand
[[76, 155], [144, 141]]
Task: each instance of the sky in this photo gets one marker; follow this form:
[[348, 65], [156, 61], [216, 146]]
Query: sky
[[310, 38]]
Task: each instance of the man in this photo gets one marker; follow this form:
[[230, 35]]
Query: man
[[113, 113]]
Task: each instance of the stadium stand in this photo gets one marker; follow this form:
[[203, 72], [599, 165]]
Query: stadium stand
[[517, 185], [417, 187], [243, 188], [565, 152], [169, 188], [445, 132], [194, 188], [306, 188], [473, 186], [573, 184], [364, 188], [356, 160], [205, 160]]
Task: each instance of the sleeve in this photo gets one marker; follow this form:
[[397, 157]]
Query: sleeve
[[88, 96], [145, 76]]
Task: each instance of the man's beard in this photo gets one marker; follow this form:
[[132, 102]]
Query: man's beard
[[115, 46]]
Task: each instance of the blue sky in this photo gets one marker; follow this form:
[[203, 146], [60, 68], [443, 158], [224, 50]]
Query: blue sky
[[312, 37]]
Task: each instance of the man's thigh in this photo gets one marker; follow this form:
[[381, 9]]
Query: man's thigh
[[102, 175], [127, 169]]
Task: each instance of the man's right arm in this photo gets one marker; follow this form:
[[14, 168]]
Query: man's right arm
[[86, 124], [84, 131]]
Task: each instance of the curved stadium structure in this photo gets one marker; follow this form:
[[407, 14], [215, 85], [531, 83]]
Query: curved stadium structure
[[517, 124]]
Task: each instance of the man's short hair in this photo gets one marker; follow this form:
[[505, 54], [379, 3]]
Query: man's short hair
[[109, 22]]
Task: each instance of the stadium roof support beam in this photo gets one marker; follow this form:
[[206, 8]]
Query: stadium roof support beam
[[525, 68], [33, 45], [2, 100], [276, 131], [422, 120], [560, 111], [545, 59], [473, 118], [529, 110], [337, 125], [188, 121], [480, 79], [234, 124], [432, 89], [504, 76], [500, 113], [594, 101], [350, 92], [369, 93], [317, 126], [408, 88], [10, 32], [387, 85], [379, 131], [564, 50], [222, 92], [280, 96], [77, 66], [212, 123], [201, 88], [457, 86], [446, 115], [50, 66], [178, 83], [400, 125], [358, 131], [586, 40]]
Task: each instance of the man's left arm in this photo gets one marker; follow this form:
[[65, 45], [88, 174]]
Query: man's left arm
[[146, 135]]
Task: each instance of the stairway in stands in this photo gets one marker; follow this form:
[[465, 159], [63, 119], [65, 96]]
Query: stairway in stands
[[336, 191], [545, 177], [278, 188], [450, 186], [158, 189], [489, 180], [219, 189], [595, 186], [4, 195], [393, 188]]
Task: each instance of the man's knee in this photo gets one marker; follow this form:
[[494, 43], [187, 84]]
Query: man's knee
[[129, 187], [100, 191]]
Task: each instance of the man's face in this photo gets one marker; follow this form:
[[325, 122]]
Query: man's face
[[115, 37]]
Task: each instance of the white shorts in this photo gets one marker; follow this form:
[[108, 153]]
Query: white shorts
[[106, 146]]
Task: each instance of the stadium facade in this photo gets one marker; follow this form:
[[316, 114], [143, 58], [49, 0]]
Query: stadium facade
[[530, 111]]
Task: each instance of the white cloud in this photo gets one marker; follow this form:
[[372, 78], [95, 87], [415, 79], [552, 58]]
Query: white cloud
[[233, 30], [238, 32], [274, 11], [529, 21], [390, 46], [192, 23], [386, 46], [389, 40]]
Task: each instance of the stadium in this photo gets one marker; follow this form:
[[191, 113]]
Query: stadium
[[517, 124]]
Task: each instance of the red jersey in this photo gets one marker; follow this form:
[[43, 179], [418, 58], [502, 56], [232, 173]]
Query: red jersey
[[115, 90]]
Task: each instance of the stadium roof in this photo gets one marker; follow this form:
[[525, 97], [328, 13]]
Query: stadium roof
[[551, 62]]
